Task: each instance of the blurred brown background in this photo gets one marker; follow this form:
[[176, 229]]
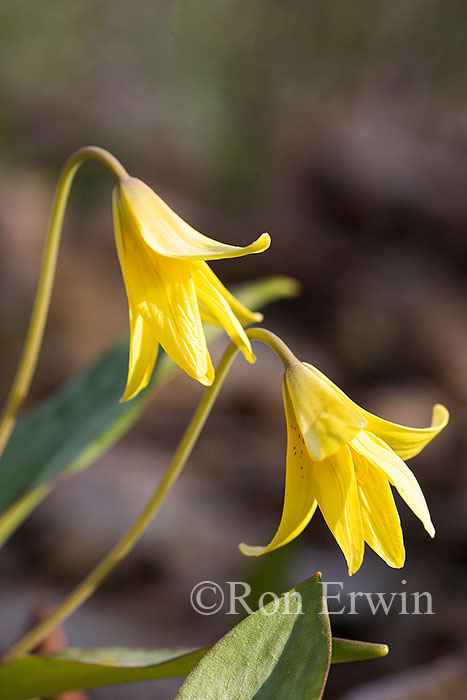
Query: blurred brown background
[[339, 127]]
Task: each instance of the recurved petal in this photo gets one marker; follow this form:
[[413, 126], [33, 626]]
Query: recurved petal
[[382, 457], [170, 307], [143, 354], [214, 307], [405, 441], [326, 420], [408, 442], [335, 486], [167, 234], [162, 292], [381, 524], [299, 497], [244, 315]]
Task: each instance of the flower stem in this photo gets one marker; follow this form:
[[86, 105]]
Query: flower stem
[[87, 587], [35, 333], [274, 342], [90, 583]]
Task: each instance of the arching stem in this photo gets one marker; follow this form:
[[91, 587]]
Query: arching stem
[[87, 587], [35, 333]]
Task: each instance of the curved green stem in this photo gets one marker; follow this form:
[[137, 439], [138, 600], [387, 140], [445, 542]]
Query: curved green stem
[[35, 333], [87, 587], [274, 342]]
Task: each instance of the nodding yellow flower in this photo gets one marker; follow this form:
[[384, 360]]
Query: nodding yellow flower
[[344, 459], [170, 288]]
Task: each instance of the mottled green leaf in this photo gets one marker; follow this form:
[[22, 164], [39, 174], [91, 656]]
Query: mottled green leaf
[[37, 676], [280, 652]]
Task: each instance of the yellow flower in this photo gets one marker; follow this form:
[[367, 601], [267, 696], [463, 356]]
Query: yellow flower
[[170, 288], [343, 459]]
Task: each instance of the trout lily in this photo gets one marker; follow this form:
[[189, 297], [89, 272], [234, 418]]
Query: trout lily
[[344, 460], [170, 287]]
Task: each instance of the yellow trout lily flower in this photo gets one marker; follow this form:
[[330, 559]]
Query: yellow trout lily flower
[[344, 459], [170, 288]]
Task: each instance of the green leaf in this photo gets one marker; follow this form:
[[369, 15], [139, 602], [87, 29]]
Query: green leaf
[[344, 650], [280, 652], [85, 418], [277, 653], [35, 676]]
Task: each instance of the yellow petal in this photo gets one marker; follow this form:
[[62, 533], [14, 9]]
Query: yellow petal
[[408, 442], [381, 524], [326, 421], [405, 441], [383, 458], [299, 497], [213, 306], [161, 290], [167, 234], [244, 315], [143, 354], [335, 486], [330, 433]]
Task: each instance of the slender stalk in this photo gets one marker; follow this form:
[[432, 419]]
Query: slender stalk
[[274, 342], [35, 333], [91, 582], [87, 587]]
